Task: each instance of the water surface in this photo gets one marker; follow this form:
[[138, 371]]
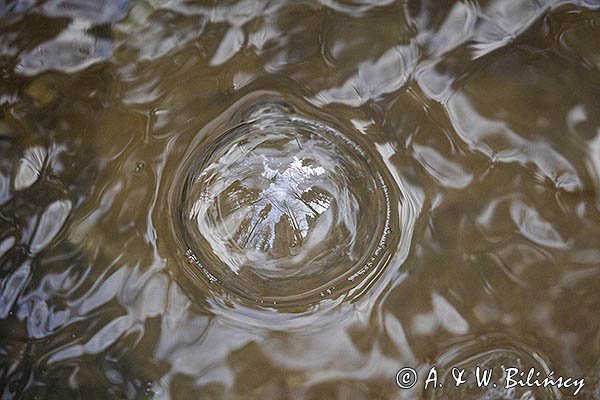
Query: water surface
[[296, 199]]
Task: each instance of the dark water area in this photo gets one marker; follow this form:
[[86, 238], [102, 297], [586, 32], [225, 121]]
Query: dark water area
[[297, 199]]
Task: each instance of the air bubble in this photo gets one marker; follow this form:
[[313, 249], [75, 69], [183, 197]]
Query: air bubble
[[283, 212]]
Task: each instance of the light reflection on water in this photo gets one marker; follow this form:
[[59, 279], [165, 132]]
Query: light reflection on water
[[479, 116]]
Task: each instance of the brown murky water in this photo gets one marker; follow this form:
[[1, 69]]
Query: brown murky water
[[297, 199]]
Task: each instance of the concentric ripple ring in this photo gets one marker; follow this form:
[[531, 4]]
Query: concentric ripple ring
[[285, 212], [499, 356]]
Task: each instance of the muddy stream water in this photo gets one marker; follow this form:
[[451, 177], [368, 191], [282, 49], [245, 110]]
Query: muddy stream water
[[299, 199]]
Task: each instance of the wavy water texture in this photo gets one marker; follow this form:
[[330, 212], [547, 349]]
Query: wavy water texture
[[254, 199]]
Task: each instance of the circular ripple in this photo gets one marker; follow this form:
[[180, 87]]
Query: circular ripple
[[495, 355], [283, 211]]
